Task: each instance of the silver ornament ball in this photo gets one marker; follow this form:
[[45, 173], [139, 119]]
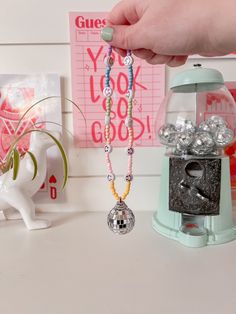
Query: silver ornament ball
[[203, 143], [185, 126], [223, 137], [203, 126], [216, 123], [167, 135], [185, 138], [121, 219]]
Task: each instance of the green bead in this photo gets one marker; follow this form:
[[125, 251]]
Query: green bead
[[107, 33]]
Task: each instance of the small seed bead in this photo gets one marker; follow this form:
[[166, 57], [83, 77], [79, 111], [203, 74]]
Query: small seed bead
[[113, 190], [127, 190]]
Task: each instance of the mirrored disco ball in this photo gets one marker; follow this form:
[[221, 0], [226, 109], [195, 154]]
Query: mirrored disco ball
[[203, 143], [185, 126], [216, 123], [167, 135], [121, 219], [185, 138], [203, 126], [223, 137]]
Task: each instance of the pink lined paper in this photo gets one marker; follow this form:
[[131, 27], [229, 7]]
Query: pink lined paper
[[88, 69]]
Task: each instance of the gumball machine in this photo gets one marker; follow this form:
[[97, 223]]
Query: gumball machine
[[195, 205]]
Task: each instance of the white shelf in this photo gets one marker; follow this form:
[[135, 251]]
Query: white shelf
[[79, 266]]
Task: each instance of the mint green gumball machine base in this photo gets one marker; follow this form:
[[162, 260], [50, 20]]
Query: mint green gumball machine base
[[196, 231]]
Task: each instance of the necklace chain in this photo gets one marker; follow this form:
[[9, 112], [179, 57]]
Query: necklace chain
[[128, 61]]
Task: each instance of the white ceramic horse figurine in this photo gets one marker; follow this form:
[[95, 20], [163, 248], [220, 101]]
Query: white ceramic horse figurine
[[18, 193]]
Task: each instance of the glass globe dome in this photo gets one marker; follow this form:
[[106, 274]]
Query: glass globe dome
[[198, 115]]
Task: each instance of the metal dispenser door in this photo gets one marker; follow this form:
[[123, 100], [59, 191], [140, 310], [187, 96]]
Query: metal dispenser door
[[194, 185]]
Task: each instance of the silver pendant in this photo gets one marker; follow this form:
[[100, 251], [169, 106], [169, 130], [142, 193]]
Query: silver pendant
[[121, 219]]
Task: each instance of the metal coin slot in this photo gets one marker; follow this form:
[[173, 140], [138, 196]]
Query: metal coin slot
[[194, 169]]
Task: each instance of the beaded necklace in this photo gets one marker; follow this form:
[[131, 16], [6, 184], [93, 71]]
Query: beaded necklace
[[121, 219]]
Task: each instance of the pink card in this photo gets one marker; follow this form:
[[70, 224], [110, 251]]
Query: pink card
[[88, 69], [17, 93]]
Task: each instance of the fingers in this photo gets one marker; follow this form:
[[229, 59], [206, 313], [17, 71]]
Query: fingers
[[143, 53], [177, 61], [153, 58], [121, 52], [125, 37], [124, 13]]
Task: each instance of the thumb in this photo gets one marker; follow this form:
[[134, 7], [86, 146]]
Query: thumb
[[124, 36]]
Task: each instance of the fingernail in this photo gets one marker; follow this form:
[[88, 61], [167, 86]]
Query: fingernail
[[107, 33]]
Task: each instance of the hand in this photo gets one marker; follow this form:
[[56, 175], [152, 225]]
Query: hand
[[168, 31]]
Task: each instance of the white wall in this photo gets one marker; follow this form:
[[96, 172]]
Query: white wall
[[34, 38]]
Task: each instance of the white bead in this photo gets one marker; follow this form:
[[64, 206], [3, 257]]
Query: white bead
[[111, 177], [108, 148], [128, 122], [128, 60], [130, 94], [107, 92], [108, 61], [107, 120]]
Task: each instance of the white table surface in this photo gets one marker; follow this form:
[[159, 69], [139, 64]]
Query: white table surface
[[79, 266]]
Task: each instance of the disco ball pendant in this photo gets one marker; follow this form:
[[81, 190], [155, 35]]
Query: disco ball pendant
[[121, 219]]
